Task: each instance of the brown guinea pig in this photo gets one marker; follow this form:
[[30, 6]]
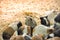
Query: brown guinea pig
[[20, 37], [54, 38], [37, 37]]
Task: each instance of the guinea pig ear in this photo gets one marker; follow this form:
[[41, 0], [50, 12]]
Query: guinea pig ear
[[41, 17], [19, 24], [50, 30], [46, 16]]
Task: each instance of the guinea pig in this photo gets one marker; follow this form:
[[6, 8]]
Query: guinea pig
[[6, 35]]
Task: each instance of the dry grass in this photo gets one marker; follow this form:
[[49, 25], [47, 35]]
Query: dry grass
[[13, 10]]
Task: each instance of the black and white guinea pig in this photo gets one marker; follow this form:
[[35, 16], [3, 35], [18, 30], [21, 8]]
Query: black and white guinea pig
[[48, 19], [45, 21]]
